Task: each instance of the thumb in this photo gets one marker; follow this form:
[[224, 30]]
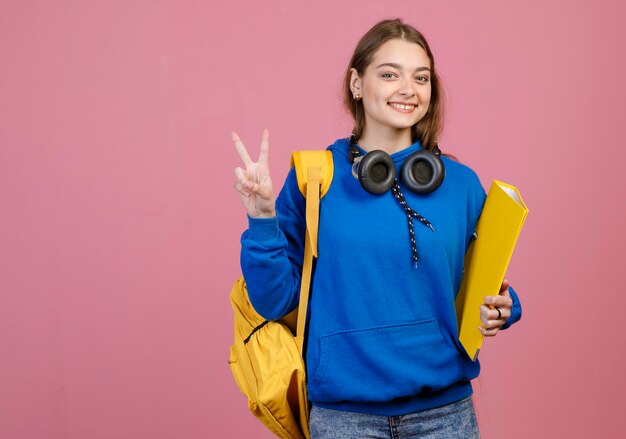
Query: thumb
[[504, 286]]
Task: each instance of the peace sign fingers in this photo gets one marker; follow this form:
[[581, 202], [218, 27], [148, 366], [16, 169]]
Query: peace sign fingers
[[265, 147], [254, 184], [241, 149]]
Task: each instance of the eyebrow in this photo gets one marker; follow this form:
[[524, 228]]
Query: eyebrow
[[398, 66]]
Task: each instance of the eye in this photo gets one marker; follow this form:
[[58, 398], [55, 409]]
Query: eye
[[387, 75], [422, 78]]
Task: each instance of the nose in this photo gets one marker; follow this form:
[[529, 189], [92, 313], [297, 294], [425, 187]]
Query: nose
[[406, 88]]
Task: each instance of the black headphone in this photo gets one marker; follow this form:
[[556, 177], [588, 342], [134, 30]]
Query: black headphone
[[422, 172]]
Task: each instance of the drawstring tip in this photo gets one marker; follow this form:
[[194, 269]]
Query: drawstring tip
[[431, 227]]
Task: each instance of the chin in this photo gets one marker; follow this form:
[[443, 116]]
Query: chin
[[403, 126]]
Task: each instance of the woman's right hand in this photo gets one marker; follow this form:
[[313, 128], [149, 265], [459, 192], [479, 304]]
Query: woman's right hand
[[254, 184]]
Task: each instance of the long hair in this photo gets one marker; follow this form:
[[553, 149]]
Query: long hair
[[428, 128]]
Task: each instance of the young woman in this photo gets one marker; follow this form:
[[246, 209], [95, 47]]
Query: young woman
[[382, 354]]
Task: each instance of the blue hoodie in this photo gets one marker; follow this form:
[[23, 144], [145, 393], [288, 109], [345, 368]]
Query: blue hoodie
[[382, 333]]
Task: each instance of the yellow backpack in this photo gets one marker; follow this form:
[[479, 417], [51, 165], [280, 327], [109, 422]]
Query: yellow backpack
[[266, 357]]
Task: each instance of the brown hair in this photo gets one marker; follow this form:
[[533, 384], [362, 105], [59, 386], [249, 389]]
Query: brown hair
[[428, 128]]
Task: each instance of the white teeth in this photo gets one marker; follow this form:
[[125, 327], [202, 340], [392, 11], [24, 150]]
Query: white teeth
[[402, 106]]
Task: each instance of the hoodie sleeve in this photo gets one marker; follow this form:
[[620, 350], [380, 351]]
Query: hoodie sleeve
[[475, 200], [272, 252]]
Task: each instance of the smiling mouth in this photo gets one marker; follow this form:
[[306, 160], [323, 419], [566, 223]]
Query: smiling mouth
[[402, 107]]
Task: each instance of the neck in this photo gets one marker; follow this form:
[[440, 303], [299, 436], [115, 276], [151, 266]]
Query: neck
[[389, 140]]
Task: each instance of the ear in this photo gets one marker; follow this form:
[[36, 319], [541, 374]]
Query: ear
[[355, 82]]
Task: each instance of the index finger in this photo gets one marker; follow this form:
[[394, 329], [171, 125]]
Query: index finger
[[265, 147], [501, 300], [241, 149]]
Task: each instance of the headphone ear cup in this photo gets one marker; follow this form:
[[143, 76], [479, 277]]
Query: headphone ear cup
[[422, 172], [376, 172]]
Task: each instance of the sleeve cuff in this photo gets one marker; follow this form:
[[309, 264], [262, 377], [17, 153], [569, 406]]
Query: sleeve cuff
[[262, 229], [516, 310]]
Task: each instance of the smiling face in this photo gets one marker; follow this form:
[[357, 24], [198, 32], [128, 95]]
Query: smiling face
[[396, 92]]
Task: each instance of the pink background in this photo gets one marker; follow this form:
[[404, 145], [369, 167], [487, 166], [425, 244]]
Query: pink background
[[120, 225]]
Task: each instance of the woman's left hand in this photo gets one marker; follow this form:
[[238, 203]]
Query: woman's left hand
[[495, 311]]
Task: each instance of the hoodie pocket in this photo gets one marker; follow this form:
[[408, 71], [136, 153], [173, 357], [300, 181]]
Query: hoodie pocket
[[383, 363]]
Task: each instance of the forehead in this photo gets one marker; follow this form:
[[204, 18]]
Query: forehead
[[405, 53]]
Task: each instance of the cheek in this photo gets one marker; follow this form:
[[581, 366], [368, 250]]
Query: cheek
[[373, 99], [371, 93], [424, 96]]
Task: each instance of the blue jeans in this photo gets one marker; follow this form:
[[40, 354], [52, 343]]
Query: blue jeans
[[456, 420]]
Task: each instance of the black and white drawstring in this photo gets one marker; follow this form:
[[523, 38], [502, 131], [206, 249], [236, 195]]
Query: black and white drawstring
[[410, 214], [355, 157]]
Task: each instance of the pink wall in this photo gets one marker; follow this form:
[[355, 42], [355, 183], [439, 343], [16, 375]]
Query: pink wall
[[119, 227]]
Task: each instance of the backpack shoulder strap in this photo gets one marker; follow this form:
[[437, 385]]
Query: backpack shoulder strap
[[302, 160], [314, 170]]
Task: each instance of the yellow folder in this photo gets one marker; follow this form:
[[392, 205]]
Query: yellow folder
[[487, 259]]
